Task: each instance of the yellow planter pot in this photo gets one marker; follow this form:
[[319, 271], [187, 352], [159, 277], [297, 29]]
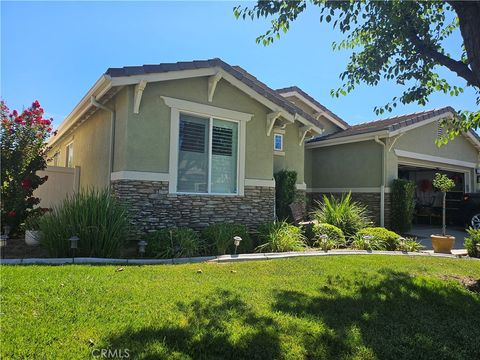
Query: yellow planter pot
[[442, 244]]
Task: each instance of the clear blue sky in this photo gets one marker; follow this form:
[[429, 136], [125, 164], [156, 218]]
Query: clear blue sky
[[55, 51]]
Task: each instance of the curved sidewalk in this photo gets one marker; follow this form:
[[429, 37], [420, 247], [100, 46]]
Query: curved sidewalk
[[223, 258]]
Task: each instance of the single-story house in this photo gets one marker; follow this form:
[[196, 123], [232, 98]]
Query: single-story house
[[194, 143]]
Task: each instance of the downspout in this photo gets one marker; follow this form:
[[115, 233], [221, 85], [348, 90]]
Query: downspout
[[95, 103], [382, 186]]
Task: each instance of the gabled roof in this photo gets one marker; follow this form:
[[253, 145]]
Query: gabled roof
[[236, 71], [389, 124], [296, 89], [115, 78]]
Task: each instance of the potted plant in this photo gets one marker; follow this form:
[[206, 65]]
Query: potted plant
[[443, 243], [32, 229]]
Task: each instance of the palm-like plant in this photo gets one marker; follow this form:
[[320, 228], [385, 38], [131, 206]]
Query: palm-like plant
[[346, 214]]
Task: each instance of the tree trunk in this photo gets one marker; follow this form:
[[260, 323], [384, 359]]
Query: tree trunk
[[444, 222], [468, 13]]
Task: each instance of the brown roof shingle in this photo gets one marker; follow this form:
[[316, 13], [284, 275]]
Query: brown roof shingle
[[390, 124], [236, 71]]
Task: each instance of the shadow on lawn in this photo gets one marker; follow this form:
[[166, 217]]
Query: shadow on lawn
[[221, 327], [394, 317]]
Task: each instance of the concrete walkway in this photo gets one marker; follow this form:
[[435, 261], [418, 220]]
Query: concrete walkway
[[223, 258], [423, 232]]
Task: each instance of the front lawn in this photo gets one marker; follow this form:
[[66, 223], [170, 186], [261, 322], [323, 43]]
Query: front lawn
[[363, 307]]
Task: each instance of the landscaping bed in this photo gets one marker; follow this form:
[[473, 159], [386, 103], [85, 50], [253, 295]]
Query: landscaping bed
[[329, 307]]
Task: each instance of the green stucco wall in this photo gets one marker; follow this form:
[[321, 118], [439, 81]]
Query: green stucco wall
[[90, 150], [148, 132], [345, 166], [294, 153]]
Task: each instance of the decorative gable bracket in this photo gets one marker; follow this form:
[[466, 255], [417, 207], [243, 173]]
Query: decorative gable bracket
[[138, 95], [271, 118], [302, 133], [212, 85]]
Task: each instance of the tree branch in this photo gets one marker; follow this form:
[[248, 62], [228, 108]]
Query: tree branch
[[460, 68]]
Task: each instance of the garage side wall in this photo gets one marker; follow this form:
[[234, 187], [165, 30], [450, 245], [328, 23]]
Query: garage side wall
[[338, 169]]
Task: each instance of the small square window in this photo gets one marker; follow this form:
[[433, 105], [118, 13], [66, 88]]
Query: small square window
[[278, 142], [69, 156]]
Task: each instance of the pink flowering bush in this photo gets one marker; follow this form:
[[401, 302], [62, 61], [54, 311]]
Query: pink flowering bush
[[23, 149]]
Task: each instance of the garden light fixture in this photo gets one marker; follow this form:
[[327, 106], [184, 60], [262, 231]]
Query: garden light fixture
[[73, 245], [142, 245], [236, 242]]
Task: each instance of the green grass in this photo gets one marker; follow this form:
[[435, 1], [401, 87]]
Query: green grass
[[362, 307]]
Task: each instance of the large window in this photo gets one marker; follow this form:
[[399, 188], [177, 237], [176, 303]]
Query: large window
[[207, 155], [69, 156]]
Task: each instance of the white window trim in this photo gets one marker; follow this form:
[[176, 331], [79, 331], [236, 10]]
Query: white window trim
[[67, 154], [178, 106], [281, 148]]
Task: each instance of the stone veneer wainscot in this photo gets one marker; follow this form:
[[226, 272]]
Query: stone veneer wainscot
[[151, 207]]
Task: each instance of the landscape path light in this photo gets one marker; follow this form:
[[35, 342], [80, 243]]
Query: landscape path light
[[74, 245], [142, 246], [236, 242]]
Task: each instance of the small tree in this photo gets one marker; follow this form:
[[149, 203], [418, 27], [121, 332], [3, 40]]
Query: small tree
[[23, 148], [443, 184]]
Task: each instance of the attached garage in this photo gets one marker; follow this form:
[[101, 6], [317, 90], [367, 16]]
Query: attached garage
[[366, 158]]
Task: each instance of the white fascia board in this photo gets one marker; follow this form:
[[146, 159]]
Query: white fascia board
[[436, 159], [165, 76], [203, 109], [348, 139], [101, 86], [314, 107], [473, 139]]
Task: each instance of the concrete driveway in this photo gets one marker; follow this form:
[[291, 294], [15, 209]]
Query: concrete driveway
[[423, 232]]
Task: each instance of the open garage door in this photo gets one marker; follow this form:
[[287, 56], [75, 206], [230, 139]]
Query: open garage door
[[428, 200]]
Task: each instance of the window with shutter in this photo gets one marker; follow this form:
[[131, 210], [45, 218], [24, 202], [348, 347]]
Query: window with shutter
[[207, 155]]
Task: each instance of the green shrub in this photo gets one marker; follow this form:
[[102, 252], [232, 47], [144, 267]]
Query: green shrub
[[219, 239], [388, 239], [95, 216], [402, 205], [280, 236], [285, 188], [472, 242], [410, 245], [173, 243], [335, 237], [350, 216]]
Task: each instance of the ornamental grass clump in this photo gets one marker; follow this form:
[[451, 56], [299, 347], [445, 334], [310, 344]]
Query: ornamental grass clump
[[280, 236], [344, 213], [95, 216], [173, 243], [219, 239]]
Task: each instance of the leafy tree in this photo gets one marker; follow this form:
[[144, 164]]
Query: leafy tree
[[396, 40], [443, 184], [23, 146]]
